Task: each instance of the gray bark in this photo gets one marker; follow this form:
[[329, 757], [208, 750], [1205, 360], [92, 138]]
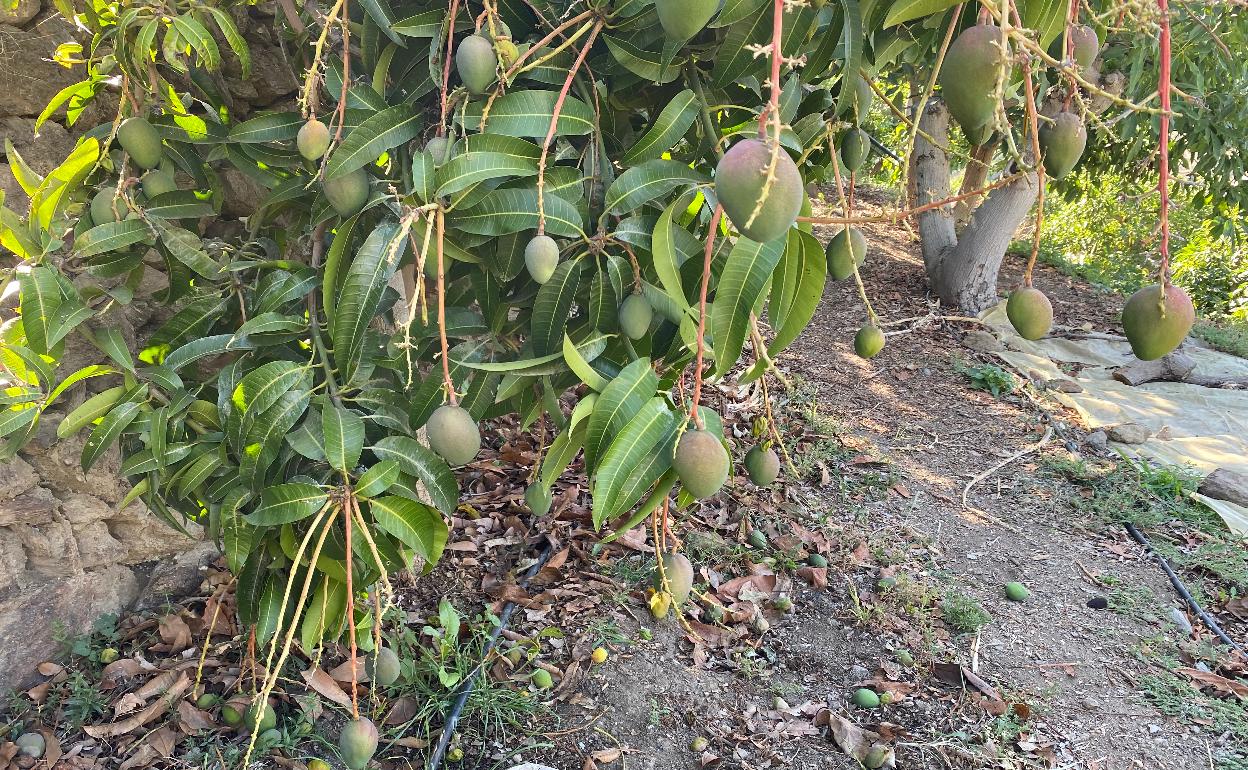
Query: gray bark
[[962, 267]]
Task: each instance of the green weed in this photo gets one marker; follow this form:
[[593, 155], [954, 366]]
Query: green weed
[[989, 377], [962, 613]]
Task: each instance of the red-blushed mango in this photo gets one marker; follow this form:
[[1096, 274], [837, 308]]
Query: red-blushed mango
[[1062, 142], [973, 67], [701, 463], [1155, 322], [740, 180], [1030, 312], [682, 19]]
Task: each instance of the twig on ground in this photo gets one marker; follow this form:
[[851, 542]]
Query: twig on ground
[[1048, 434]]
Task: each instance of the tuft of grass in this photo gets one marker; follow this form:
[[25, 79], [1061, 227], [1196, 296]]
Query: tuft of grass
[[1228, 336], [962, 613], [989, 377]]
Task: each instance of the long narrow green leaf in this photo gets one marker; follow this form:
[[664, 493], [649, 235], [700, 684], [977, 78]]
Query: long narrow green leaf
[[287, 503], [617, 404], [742, 287], [416, 525], [551, 308], [366, 142], [417, 460], [362, 287], [344, 437], [668, 128]]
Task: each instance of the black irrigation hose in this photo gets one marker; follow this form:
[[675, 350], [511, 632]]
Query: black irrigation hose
[[452, 718], [879, 146], [1138, 537]]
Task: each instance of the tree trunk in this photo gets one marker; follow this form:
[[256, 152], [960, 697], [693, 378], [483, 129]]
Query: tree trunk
[[962, 268], [974, 178]]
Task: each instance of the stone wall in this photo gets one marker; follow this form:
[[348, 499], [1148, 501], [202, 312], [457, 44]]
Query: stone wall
[[68, 552]]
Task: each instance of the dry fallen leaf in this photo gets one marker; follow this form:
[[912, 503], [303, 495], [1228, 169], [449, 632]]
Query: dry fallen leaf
[[325, 685], [143, 717], [1216, 681]]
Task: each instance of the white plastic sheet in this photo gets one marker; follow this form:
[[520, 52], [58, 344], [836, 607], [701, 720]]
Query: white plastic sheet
[[1204, 428]]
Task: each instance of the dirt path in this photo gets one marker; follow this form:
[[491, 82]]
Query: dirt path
[[1066, 682]]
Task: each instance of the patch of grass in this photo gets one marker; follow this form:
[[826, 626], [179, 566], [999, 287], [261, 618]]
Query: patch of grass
[[1229, 336], [83, 700], [1123, 490], [1176, 697], [989, 377], [607, 631], [962, 613]]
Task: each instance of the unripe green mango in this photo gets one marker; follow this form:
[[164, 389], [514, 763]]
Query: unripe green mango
[[141, 142], [740, 179], [1030, 312], [701, 463]]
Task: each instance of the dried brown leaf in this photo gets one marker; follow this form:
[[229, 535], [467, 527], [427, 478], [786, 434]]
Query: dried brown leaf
[[325, 685]]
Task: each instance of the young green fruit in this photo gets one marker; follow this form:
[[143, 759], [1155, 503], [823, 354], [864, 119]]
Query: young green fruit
[[1086, 44], [347, 194], [313, 140], [269, 737], [477, 64], [141, 142], [855, 147], [869, 341], [383, 667], [679, 572], [867, 699], [636, 315], [508, 52], [1062, 143], [847, 249], [318, 764], [538, 498], [453, 434], [682, 19], [904, 657], [740, 178], [1016, 592], [1030, 312], [701, 463], [31, 745], [267, 718], [158, 182], [541, 679], [762, 465], [973, 66], [102, 211], [817, 560], [439, 148], [207, 700], [1155, 322], [541, 256], [231, 715], [860, 98], [876, 757], [757, 539], [358, 742]]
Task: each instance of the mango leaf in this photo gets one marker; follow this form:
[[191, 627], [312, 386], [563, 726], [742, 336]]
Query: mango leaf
[[377, 479], [40, 300], [741, 289], [366, 142], [796, 290], [269, 609], [108, 431], [666, 262], [287, 503], [513, 210], [902, 11], [344, 437], [551, 308], [668, 128], [645, 473], [630, 449], [269, 127], [580, 367], [653, 179], [326, 614], [362, 288], [851, 42], [528, 113], [111, 236], [616, 405], [468, 169], [264, 438], [644, 63], [417, 460], [416, 525]]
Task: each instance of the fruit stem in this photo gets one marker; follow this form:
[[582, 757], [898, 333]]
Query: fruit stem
[[706, 279], [772, 110], [847, 203], [1163, 182], [447, 382], [1033, 125], [346, 72], [554, 123], [346, 524], [446, 64], [708, 123]]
